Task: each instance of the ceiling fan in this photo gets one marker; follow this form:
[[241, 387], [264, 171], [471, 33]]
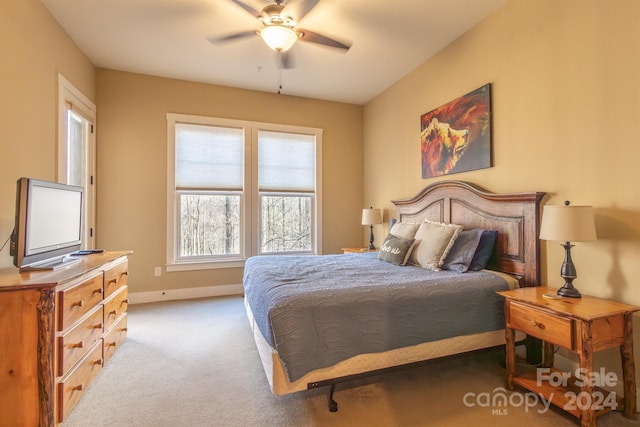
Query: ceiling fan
[[279, 30]]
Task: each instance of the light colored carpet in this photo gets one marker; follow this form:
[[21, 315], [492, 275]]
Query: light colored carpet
[[194, 363]]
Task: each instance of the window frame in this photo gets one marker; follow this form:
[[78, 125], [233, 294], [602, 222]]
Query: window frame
[[250, 196], [72, 100]]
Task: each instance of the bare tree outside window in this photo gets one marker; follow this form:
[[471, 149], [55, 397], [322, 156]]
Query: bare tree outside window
[[209, 225], [286, 224]]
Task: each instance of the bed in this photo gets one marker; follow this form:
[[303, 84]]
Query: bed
[[318, 320]]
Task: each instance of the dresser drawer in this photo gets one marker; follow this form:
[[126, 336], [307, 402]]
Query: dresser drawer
[[114, 337], [74, 344], [73, 386], [115, 306], [546, 326], [115, 277], [78, 300]]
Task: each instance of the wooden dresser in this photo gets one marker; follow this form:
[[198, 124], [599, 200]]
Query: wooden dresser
[[57, 330]]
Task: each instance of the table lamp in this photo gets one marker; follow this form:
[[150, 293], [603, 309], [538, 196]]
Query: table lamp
[[568, 224], [371, 217]]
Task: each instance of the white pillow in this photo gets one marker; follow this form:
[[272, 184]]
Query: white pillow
[[405, 230], [433, 241]]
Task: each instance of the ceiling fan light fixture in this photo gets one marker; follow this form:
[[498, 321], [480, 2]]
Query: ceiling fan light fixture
[[278, 37]]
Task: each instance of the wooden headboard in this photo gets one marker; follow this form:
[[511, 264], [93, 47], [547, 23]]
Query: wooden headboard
[[516, 217]]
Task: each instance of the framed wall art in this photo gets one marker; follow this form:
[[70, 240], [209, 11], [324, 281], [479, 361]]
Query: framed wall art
[[456, 137]]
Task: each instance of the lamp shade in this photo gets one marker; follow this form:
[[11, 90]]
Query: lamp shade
[[568, 223], [278, 37], [371, 216]]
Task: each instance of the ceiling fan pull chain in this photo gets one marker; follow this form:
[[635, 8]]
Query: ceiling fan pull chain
[[279, 80]]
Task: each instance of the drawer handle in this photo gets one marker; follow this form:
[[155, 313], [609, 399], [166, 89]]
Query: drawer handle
[[124, 301], [115, 281], [78, 303], [97, 362], [77, 345], [78, 387], [98, 291], [537, 324], [124, 329], [113, 313], [98, 326], [112, 344]]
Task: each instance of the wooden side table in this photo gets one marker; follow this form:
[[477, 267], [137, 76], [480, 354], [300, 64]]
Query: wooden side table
[[582, 325], [357, 250]]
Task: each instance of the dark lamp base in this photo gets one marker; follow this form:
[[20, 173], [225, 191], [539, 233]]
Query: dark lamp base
[[568, 273], [371, 246], [569, 292]]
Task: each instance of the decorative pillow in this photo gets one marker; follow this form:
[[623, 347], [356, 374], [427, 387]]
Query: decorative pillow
[[484, 250], [461, 254], [406, 230], [395, 250], [433, 242]]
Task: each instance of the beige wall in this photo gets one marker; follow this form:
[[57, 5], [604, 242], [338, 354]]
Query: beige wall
[[33, 50], [131, 142], [566, 107], [566, 103], [132, 165]]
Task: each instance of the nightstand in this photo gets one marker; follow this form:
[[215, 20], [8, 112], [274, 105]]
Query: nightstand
[[357, 250], [582, 325]]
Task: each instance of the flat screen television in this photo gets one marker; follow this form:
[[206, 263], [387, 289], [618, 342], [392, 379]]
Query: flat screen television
[[48, 224]]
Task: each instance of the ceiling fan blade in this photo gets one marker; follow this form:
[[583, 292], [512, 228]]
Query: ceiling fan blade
[[247, 8], [298, 9], [231, 37], [310, 36]]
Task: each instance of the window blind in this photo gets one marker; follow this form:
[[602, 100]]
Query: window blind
[[209, 157], [286, 162]]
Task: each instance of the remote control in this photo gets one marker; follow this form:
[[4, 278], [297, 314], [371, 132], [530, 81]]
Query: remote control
[[88, 252]]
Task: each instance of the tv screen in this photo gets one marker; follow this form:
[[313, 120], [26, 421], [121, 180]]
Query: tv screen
[[48, 224]]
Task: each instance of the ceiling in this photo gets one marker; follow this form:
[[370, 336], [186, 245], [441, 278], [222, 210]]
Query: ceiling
[[168, 38]]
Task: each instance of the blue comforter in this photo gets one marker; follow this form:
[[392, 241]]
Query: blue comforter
[[319, 310]]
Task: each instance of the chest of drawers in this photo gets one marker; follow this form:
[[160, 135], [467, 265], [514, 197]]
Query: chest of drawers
[[57, 330]]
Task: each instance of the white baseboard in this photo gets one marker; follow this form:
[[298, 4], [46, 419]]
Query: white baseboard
[[187, 293]]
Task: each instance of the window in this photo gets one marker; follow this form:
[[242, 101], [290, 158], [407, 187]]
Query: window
[[237, 189], [286, 185], [76, 150], [209, 170]]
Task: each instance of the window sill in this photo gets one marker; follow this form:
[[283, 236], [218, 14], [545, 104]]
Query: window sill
[[191, 266]]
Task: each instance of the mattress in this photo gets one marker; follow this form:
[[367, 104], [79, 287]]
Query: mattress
[[317, 311], [280, 384]]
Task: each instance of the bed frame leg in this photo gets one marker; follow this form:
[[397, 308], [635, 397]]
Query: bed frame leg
[[333, 405]]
